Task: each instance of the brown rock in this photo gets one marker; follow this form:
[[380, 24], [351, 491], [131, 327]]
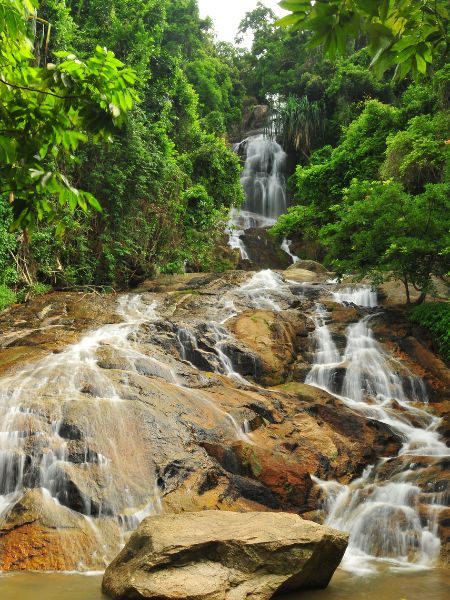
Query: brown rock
[[274, 337], [215, 555]]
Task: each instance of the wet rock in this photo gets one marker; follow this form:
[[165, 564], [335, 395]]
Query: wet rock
[[70, 431], [302, 275], [264, 250], [254, 118], [268, 477], [309, 265], [33, 539], [215, 555], [273, 337]]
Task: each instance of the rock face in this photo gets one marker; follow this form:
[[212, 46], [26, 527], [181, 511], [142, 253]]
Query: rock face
[[274, 338], [215, 555], [115, 413], [264, 250]]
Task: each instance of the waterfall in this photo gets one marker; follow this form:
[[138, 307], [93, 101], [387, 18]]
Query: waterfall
[[286, 247], [34, 403], [382, 517], [326, 357], [69, 435], [361, 296], [264, 187], [265, 290], [263, 178]]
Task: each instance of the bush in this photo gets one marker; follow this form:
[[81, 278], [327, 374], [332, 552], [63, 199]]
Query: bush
[[435, 316], [7, 297]]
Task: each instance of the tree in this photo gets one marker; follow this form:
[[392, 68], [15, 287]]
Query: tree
[[320, 184], [298, 123], [417, 155], [381, 232], [407, 34], [47, 111]]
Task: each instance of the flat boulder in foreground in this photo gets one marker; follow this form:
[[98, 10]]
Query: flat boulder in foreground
[[219, 555]]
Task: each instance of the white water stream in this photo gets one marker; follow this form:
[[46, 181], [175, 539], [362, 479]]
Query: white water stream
[[264, 186], [384, 518], [40, 402], [286, 247], [37, 403]]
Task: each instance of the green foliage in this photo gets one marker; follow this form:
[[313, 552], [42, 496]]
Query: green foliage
[[435, 316], [298, 219], [417, 155], [360, 154], [402, 33], [36, 289], [298, 123], [8, 246], [71, 147], [7, 297], [381, 231], [46, 111]]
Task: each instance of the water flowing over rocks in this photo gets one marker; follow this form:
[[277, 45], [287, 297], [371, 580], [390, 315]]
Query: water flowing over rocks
[[236, 392], [215, 555]]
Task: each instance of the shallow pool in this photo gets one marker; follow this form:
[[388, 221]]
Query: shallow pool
[[423, 585]]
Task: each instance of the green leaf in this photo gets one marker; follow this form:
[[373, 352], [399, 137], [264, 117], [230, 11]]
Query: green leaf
[[404, 42], [93, 201], [288, 20], [421, 64], [295, 5], [368, 6]]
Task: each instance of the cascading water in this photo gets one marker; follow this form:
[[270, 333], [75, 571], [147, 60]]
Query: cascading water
[[69, 437], [263, 178], [383, 517], [36, 401], [326, 357], [361, 296], [264, 186], [286, 247]]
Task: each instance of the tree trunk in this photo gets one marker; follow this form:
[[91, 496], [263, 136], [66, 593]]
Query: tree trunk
[[405, 283], [25, 262], [421, 298]]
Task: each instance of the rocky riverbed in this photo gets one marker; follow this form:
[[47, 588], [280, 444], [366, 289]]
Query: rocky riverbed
[[189, 394]]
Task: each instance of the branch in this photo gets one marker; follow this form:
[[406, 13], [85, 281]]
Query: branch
[[38, 91]]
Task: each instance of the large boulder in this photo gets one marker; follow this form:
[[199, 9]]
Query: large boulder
[[219, 555]]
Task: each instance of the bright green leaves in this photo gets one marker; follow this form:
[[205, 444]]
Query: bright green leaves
[[47, 112], [435, 316], [402, 34], [7, 149], [390, 233], [297, 122], [299, 9]]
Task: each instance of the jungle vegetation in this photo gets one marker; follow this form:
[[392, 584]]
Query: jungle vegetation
[[116, 117]]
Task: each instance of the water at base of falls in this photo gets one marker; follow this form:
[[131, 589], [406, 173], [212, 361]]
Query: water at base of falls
[[383, 518], [411, 585]]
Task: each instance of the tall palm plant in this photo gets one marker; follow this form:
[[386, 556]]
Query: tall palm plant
[[296, 122]]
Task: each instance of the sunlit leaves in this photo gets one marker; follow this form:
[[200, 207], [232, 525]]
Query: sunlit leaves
[[402, 34], [47, 111]]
